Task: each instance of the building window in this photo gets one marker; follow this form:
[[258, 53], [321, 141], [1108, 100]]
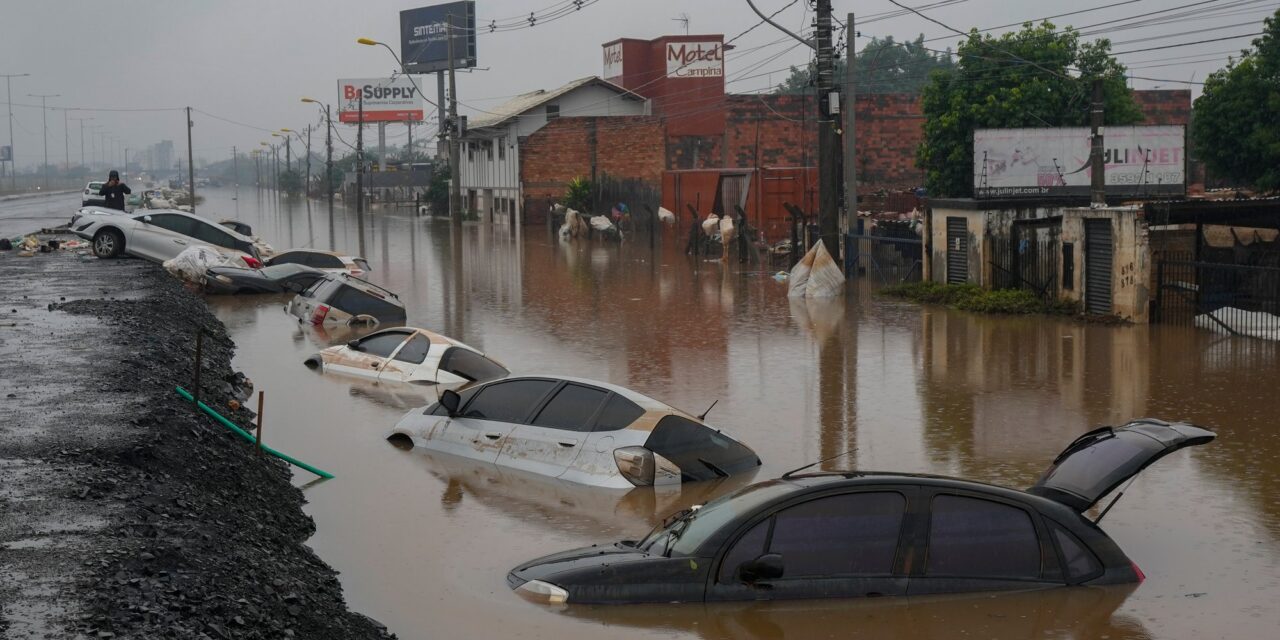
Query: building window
[[502, 149], [471, 152], [553, 111], [488, 150]]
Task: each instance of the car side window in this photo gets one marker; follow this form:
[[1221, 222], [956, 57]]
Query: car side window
[[416, 351], [976, 538], [381, 344], [618, 413], [1078, 562], [571, 409], [849, 534], [508, 401], [747, 548], [470, 365], [288, 258], [208, 233], [324, 261], [176, 224]]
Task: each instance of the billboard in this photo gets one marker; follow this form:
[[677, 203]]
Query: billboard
[[695, 59], [385, 99], [6, 153], [1046, 162], [424, 39], [612, 61]]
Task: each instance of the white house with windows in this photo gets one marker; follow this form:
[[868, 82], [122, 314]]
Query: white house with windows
[[490, 154]]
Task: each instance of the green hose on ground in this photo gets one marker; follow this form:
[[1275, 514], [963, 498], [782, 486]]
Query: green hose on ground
[[249, 436]]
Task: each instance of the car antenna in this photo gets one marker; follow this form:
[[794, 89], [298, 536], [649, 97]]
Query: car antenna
[[1114, 500], [704, 413], [813, 464]]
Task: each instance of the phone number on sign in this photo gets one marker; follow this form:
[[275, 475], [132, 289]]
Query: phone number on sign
[[1152, 177]]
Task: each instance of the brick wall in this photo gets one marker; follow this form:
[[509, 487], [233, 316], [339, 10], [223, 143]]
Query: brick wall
[[1161, 106], [624, 147]]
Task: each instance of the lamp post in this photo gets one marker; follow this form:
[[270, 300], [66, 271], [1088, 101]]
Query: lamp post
[[8, 97], [81, 121], [44, 114], [288, 150], [328, 143]]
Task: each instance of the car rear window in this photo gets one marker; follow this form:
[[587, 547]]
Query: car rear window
[[362, 263], [357, 302], [572, 408], [508, 401], [976, 538], [470, 365], [324, 261], [289, 258], [701, 452], [618, 413], [316, 288], [1078, 562]]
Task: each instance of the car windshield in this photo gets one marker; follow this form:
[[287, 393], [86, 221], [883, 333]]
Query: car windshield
[[95, 185], [684, 532], [277, 271]]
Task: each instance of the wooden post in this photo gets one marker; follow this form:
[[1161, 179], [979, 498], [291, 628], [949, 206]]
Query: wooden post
[[259, 434]]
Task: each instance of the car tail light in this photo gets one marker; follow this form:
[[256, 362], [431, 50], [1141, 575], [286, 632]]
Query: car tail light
[[636, 465], [319, 314], [1138, 572], [253, 262]]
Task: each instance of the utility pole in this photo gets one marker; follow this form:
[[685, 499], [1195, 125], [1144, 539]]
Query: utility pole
[[66, 142], [306, 186], [81, 120], [191, 165], [288, 154], [235, 168], [8, 97], [360, 155], [828, 153], [328, 160], [455, 171], [409, 123], [441, 115], [257, 169], [44, 114], [850, 131], [1097, 168]]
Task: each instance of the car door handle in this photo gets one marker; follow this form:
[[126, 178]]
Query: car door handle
[[568, 443], [177, 241], [374, 365], [493, 436]]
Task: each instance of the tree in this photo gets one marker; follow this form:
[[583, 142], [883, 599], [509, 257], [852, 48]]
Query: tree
[[883, 66], [577, 195], [1036, 77], [291, 181], [1235, 128]]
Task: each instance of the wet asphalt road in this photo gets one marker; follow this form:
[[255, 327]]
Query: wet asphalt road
[[423, 542], [25, 215]]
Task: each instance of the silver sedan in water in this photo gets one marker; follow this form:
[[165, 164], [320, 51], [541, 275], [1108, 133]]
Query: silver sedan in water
[[159, 235]]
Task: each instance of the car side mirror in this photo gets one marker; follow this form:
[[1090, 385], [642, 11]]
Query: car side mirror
[[767, 567], [354, 345], [450, 401], [146, 219]]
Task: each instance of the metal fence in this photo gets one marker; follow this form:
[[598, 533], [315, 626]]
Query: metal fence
[[1026, 263], [1226, 298], [888, 260]]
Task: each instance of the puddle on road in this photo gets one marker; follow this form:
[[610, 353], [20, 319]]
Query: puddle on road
[[423, 543]]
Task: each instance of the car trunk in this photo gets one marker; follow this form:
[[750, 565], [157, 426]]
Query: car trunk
[[1101, 460]]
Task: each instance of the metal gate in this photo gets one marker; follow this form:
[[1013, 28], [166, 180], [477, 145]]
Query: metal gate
[[1097, 265], [957, 250]]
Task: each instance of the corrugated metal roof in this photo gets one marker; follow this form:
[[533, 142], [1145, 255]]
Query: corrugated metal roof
[[526, 102]]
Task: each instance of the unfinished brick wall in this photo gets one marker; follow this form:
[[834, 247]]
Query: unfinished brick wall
[[624, 147], [1161, 106]]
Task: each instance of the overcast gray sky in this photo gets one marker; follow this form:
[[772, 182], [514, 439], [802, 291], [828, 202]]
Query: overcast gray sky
[[250, 61]]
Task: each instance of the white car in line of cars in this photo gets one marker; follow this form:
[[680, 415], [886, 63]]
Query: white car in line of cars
[[327, 261], [91, 196], [158, 234], [407, 354], [580, 431]]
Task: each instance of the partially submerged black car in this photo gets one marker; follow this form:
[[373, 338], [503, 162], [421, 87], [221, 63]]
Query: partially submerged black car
[[273, 279], [851, 534]]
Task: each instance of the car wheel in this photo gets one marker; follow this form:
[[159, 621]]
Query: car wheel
[[108, 243]]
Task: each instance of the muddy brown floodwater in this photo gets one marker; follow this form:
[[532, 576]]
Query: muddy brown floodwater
[[424, 543]]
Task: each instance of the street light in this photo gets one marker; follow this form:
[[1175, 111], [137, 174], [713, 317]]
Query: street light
[[328, 143], [44, 114], [8, 97]]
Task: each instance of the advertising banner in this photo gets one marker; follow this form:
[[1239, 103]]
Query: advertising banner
[[385, 100], [695, 59], [424, 39], [1047, 162], [612, 61], [6, 153]]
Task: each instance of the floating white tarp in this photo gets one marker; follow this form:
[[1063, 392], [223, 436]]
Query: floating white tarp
[[1255, 324]]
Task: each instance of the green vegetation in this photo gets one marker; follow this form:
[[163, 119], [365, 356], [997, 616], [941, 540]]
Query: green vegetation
[[577, 195], [438, 191], [1036, 77], [971, 297], [1236, 130], [883, 66]]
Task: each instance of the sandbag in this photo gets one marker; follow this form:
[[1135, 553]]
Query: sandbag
[[194, 261], [711, 224], [727, 229], [601, 223], [665, 216], [817, 275]]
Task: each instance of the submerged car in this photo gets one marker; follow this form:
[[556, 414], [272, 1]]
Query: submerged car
[[278, 279], [345, 300], [409, 355], [160, 235], [851, 534], [329, 261], [265, 250], [577, 430]]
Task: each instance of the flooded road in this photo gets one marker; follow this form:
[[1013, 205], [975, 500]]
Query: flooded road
[[423, 543]]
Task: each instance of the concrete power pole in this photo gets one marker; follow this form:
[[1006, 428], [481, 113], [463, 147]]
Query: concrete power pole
[[191, 166], [1097, 167], [850, 131], [44, 113], [828, 151], [455, 171], [360, 156]]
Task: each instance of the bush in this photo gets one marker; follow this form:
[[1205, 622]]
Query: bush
[[971, 297]]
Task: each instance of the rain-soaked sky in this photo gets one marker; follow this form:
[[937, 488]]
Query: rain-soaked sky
[[244, 64]]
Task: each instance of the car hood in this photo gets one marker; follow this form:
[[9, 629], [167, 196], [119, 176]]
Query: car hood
[[1100, 460], [547, 567]]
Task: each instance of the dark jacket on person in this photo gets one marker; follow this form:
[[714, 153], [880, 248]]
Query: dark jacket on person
[[115, 195]]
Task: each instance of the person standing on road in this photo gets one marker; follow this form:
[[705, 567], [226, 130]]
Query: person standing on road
[[114, 191]]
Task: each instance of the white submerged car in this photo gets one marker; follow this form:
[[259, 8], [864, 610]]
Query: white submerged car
[[158, 235], [406, 354], [581, 431]]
